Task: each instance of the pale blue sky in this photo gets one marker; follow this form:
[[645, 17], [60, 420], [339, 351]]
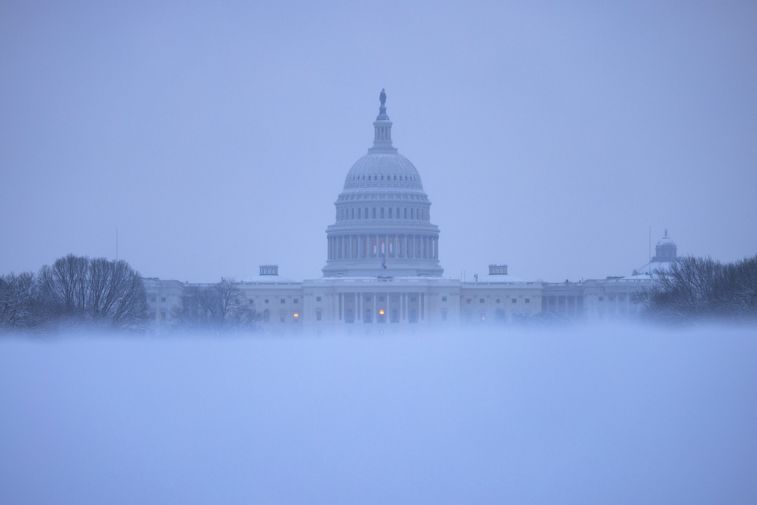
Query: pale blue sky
[[217, 135]]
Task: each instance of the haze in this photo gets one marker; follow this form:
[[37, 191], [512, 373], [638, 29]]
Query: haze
[[216, 137]]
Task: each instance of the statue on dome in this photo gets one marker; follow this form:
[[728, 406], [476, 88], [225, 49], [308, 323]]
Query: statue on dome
[[382, 97]]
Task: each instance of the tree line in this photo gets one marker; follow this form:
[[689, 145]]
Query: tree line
[[73, 290], [703, 287], [218, 305]]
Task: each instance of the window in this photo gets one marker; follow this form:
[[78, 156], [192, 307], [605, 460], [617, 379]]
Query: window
[[318, 315], [444, 298], [282, 300], [480, 300], [515, 300], [266, 300], [468, 300], [382, 212], [162, 298], [296, 300], [317, 298], [390, 213], [498, 300], [527, 300]]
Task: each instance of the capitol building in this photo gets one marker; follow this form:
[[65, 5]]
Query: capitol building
[[382, 266]]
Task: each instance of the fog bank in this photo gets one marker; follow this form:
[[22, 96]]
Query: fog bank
[[580, 415]]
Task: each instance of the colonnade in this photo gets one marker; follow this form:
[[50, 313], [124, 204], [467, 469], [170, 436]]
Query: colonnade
[[381, 307], [380, 246]]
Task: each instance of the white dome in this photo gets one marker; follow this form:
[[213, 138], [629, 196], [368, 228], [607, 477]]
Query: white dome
[[383, 222], [383, 170]]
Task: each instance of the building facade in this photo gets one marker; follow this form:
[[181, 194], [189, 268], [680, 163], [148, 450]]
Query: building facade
[[382, 267]]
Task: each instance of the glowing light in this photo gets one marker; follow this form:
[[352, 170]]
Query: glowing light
[[381, 312], [296, 315]]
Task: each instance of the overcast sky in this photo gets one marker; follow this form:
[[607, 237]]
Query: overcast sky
[[216, 135]]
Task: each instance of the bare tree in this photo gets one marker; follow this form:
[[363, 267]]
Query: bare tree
[[19, 300], [96, 289], [217, 305], [705, 287]]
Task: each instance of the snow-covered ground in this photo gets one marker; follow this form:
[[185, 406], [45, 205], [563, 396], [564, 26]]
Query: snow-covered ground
[[601, 415]]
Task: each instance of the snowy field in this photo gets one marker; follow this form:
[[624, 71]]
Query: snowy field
[[581, 416]]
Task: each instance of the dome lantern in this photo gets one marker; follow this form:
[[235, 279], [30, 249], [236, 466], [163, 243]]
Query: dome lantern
[[382, 129]]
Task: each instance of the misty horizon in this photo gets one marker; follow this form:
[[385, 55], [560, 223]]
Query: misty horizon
[[217, 138]]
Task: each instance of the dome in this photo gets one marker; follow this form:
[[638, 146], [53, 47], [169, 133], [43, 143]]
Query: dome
[[666, 250], [383, 226], [383, 170]]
